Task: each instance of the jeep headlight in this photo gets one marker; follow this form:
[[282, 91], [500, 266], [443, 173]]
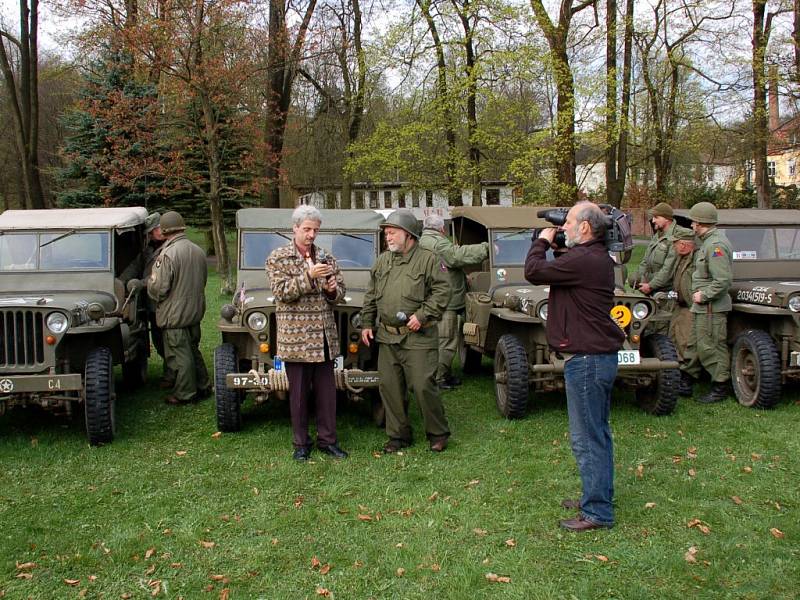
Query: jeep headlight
[[355, 321], [542, 312], [57, 322], [641, 310], [257, 321], [794, 303]]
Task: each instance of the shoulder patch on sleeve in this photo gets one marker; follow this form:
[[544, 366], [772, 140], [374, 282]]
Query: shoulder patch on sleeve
[[717, 251]]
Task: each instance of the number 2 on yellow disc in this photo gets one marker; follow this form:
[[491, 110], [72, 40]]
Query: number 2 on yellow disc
[[622, 315]]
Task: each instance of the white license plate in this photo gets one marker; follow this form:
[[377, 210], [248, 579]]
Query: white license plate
[[627, 357], [338, 363]]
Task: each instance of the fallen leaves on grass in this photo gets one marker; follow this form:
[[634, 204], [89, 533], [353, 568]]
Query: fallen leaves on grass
[[736, 499], [473, 483], [72, 582], [223, 578], [691, 555], [363, 517], [777, 533], [698, 524], [149, 552], [155, 586], [650, 505], [601, 557], [180, 453], [640, 471], [400, 571], [207, 545], [26, 566], [479, 531], [321, 591], [691, 452], [511, 542], [216, 435], [126, 596], [298, 501], [24, 575], [224, 594], [692, 473], [495, 578], [747, 469], [433, 496], [436, 567]]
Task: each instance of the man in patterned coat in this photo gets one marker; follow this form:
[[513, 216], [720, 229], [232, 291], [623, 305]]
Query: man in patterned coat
[[307, 283]]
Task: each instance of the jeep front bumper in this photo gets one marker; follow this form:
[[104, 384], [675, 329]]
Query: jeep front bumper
[[352, 380], [39, 384]]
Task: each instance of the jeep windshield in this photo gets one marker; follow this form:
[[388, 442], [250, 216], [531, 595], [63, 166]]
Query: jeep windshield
[[764, 243], [58, 251], [511, 247], [352, 250]]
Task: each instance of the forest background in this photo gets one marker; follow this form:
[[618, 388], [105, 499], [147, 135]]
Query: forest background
[[209, 105]]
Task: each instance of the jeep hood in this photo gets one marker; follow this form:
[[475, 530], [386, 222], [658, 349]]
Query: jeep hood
[[66, 301], [764, 293]]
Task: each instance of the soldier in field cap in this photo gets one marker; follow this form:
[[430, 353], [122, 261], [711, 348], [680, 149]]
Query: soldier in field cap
[[682, 320], [177, 284], [655, 270]]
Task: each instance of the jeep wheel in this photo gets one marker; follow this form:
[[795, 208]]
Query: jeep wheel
[[134, 372], [661, 396], [469, 359], [511, 377], [756, 369], [229, 402], [99, 397]]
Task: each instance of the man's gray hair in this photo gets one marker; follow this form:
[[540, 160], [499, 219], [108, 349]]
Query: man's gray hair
[[594, 215], [433, 221], [304, 212]]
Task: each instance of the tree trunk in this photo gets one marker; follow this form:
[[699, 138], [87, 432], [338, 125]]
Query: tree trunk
[[471, 73], [613, 194], [761, 33], [23, 101]]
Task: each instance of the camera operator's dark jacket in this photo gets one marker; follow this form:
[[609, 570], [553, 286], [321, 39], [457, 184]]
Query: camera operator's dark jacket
[[581, 297]]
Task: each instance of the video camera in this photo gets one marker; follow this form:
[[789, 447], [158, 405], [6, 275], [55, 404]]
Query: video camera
[[618, 229]]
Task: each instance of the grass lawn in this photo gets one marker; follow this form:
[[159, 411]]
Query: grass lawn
[[707, 504]]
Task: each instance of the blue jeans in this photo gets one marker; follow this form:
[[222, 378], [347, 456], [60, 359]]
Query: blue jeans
[[589, 379]]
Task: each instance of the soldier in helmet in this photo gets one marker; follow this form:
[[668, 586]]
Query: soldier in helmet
[[406, 297], [177, 284], [682, 320], [711, 279]]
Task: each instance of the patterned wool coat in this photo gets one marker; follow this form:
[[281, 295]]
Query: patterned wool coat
[[304, 311]]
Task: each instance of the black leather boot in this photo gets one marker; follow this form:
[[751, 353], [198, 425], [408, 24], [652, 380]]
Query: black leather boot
[[685, 387], [718, 393]]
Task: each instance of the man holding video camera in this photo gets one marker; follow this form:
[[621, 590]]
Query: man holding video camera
[[580, 331]]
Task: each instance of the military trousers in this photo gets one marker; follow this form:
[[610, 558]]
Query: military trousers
[[708, 345], [680, 331], [403, 370], [449, 342], [183, 357]]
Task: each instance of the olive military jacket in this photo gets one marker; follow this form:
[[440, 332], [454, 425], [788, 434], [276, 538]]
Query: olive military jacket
[[304, 310], [410, 283], [452, 260], [177, 283], [658, 262], [682, 279], [713, 272]]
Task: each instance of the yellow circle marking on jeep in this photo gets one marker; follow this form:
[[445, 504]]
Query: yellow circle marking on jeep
[[622, 315]]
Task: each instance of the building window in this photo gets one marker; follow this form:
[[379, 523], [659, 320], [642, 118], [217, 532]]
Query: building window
[[492, 197], [415, 199], [792, 168], [401, 200], [771, 169], [359, 199], [387, 199], [428, 197], [373, 199]]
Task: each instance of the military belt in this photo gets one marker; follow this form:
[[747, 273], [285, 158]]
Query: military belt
[[402, 330]]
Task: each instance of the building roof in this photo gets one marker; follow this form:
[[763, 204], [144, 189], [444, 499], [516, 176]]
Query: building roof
[[73, 218]]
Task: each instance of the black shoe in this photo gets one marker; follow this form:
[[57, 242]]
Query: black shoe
[[686, 385], [203, 393], [719, 392], [333, 450], [445, 385], [302, 453], [454, 381]]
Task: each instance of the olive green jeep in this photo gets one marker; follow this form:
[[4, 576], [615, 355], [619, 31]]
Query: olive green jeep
[[764, 323], [506, 316], [66, 317], [245, 361]]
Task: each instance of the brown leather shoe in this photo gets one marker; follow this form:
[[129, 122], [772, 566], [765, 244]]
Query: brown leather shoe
[[438, 445], [571, 504], [175, 401], [580, 523], [394, 445]]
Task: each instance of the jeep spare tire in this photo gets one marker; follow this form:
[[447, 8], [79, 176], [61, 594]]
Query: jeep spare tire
[[511, 377], [100, 398]]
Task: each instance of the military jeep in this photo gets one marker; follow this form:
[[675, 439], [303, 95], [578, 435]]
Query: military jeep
[[505, 320], [764, 324], [66, 317], [245, 361]]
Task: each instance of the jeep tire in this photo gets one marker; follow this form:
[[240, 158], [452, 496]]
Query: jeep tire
[[99, 405], [661, 396], [229, 402], [756, 369], [511, 377]]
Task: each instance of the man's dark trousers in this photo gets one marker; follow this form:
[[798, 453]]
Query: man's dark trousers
[[303, 376], [589, 379]]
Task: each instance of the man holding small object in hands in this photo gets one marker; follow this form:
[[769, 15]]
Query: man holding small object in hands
[[581, 332], [307, 283]]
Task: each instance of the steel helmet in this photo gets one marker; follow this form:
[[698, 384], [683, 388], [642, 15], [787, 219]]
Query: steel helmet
[[405, 220], [704, 213], [172, 222]]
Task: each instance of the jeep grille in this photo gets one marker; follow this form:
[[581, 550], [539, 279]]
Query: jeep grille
[[22, 335]]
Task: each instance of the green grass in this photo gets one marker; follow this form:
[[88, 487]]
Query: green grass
[[131, 518]]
